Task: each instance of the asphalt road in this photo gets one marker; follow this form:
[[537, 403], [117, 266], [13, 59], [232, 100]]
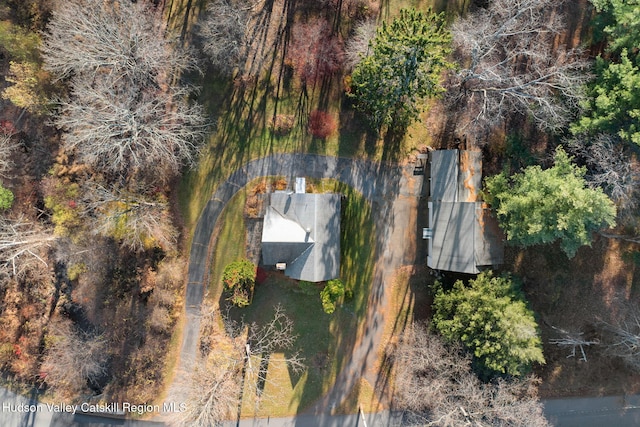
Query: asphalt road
[[612, 411], [21, 411]]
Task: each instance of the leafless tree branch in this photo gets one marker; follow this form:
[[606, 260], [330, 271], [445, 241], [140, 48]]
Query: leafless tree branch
[[510, 62], [622, 339], [7, 147], [123, 130], [224, 34], [357, 46], [135, 219], [611, 167], [125, 116], [74, 358], [435, 386], [574, 340], [21, 244], [218, 385], [122, 39]]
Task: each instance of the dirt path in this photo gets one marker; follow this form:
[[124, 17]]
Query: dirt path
[[393, 192]]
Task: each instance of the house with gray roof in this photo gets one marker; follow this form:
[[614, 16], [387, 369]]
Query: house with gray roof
[[301, 235], [463, 234]]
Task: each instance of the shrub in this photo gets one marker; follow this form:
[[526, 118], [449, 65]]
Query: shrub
[[60, 199], [332, 292], [282, 124], [321, 124], [239, 280], [6, 198], [74, 271], [308, 288]]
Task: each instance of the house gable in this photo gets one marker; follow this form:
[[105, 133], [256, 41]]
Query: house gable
[[303, 231]]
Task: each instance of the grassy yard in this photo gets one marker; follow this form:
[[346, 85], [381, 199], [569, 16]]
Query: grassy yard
[[242, 112], [325, 341], [230, 241]]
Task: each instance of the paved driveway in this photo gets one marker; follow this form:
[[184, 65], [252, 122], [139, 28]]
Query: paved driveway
[[393, 193]]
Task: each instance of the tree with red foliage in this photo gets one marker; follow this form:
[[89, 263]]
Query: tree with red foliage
[[321, 124], [315, 51]]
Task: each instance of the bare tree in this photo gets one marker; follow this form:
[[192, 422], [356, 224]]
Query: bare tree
[[357, 47], [124, 130], [224, 34], [7, 146], [611, 167], [315, 51], [510, 62], [575, 340], [213, 390], [237, 367], [124, 117], [265, 344], [622, 339], [22, 243], [135, 219], [74, 358], [435, 386], [121, 38]]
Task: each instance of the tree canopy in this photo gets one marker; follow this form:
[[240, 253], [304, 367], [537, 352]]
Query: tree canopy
[[124, 116], [404, 66], [492, 320], [540, 206], [433, 380], [613, 104], [511, 62], [239, 280]]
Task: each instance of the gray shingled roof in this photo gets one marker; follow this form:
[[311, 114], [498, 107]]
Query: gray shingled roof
[[303, 231], [465, 235]]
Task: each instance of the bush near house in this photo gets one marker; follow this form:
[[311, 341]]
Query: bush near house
[[332, 292], [239, 280]]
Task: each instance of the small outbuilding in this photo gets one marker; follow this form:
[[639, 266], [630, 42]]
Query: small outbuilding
[[463, 234], [301, 235]]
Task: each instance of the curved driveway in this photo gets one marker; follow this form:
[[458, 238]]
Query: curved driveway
[[393, 192]]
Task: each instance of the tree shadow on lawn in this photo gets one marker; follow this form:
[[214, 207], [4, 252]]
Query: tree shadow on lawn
[[311, 325], [355, 136], [325, 341]]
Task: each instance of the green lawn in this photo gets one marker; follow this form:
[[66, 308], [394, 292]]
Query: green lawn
[[325, 341], [230, 242]]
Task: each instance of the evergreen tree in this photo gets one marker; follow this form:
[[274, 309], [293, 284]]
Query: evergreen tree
[[404, 67], [613, 104], [491, 319], [543, 206]]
